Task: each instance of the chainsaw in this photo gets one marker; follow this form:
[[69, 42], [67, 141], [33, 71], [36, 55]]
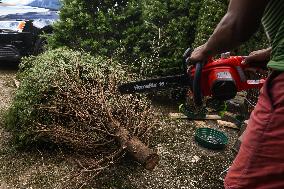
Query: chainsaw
[[220, 79]]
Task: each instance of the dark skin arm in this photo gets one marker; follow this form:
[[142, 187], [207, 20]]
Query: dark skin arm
[[259, 56], [240, 22]]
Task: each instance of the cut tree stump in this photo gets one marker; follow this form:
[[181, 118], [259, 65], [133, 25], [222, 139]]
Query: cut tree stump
[[137, 149]]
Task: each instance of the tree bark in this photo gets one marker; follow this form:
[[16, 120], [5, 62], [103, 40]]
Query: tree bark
[[137, 149]]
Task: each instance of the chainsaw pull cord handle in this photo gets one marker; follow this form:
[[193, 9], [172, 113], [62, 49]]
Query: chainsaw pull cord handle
[[197, 93]]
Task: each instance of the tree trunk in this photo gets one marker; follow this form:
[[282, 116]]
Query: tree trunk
[[137, 149]]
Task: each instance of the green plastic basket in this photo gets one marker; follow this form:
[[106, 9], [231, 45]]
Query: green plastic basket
[[211, 138]]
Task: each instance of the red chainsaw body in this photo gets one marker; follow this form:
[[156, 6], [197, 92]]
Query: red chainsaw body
[[223, 78]]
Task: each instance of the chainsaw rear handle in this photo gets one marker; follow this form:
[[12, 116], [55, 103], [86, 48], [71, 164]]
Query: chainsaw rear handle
[[197, 93]]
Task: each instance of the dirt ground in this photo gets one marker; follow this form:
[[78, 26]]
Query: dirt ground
[[183, 164]]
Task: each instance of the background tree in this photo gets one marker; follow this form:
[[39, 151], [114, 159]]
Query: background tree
[[141, 32], [149, 36], [172, 24], [96, 26], [211, 13]]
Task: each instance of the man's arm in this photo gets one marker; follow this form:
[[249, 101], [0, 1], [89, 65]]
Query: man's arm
[[262, 55], [240, 22]]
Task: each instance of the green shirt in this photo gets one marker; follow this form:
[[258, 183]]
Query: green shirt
[[273, 22]]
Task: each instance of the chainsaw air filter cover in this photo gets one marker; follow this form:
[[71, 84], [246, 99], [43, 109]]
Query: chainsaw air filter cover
[[224, 89], [222, 84]]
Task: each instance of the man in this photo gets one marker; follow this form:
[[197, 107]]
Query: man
[[260, 161]]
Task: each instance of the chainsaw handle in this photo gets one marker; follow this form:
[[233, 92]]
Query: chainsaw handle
[[197, 93]]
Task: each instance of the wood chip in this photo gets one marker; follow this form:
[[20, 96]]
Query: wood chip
[[200, 123], [182, 116], [227, 124]]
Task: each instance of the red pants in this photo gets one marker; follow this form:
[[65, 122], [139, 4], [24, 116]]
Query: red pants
[[260, 161]]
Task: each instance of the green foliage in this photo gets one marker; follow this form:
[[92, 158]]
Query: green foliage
[[145, 34], [211, 13], [36, 76], [173, 26], [149, 36], [95, 26]]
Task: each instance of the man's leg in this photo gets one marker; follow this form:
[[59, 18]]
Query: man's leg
[[260, 161]]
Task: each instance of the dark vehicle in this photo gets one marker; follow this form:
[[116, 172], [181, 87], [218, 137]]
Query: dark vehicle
[[22, 23]]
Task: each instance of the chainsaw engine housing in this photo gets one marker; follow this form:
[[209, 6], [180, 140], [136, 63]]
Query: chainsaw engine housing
[[221, 78]]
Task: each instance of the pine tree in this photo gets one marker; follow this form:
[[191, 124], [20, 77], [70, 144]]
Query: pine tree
[[95, 26], [143, 33]]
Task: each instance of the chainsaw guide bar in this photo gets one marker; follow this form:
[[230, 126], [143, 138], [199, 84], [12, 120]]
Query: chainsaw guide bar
[[177, 81]]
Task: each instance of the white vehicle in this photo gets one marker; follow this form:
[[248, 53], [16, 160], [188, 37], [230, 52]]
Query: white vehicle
[[21, 24]]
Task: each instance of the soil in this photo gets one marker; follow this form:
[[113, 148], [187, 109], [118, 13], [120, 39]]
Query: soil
[[183, 164]]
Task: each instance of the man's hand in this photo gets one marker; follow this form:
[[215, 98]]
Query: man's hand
[[200, 54], [258, 59]]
